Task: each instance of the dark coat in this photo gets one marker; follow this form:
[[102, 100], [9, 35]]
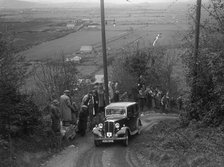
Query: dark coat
[[83, 118], [55, 117]]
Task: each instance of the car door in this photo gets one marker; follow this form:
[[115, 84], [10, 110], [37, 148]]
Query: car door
[[131, 118], [135, 116]]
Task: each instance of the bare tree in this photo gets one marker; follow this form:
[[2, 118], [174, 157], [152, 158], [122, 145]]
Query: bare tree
[[53, 77]]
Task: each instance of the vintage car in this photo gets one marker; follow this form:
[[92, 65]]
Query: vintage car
[[122, 119]]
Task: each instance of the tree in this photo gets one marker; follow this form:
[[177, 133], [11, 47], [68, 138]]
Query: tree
[[207, 104], [156, 65], [12, 76], [52, 78], [17, 110]]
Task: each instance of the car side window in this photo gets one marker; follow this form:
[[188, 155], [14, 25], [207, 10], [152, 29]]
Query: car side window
[[136, 110], [130, 111]]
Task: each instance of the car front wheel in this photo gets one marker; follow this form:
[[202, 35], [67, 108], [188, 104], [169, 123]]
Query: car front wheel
[[127, 139], [139, 127]]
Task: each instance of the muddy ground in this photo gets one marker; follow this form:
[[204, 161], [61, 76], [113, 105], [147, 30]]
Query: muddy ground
[[85, 154]]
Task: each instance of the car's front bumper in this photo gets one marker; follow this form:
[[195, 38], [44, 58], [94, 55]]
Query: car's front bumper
[[110, 139], [119, 135]]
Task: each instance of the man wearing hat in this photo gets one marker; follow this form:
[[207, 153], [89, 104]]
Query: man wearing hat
[[66, 107], [55, 116], [83, 118]]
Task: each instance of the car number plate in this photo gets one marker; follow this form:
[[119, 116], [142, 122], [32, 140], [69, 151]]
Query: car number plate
[[108, 141]]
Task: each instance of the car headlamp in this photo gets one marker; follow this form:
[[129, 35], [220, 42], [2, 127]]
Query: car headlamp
[[100, 125], [117, 125]]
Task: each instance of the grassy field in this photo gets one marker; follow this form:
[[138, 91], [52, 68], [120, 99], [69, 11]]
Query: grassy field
[[65, 45], [41, 33]]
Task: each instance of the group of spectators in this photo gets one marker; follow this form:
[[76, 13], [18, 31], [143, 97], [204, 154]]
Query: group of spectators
[[65, 111], [154, 98]]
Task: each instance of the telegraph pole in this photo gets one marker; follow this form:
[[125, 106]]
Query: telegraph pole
[[196, 46], [104, 51], [197, 29]]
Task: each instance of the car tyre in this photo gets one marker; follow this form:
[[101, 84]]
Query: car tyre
[[97, 143], [139, 127], [127, 139]]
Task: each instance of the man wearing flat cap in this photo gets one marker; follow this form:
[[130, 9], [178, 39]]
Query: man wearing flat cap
[[55, 115], [66, 107]]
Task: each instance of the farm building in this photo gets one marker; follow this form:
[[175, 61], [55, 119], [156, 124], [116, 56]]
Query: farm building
[[75, 59], [93, 25], [87, 20], [70, 26], [86, 49]]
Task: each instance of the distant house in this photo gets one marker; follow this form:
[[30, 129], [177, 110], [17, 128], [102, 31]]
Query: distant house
[[93, 25], [75, 59], [86, 20], [70, 26], [86, 49]]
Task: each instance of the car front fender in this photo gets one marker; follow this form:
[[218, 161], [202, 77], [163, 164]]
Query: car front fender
[[97, 132], [122, 131]]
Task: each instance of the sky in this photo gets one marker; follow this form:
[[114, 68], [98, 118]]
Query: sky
[[105, 1]]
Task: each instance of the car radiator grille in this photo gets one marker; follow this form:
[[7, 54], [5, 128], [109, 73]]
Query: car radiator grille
[[109, 127]]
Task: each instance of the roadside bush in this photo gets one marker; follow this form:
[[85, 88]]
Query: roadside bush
[[52, 78], [206, 102], [207, 90], [167, 144], [18, 113], [157, 70]]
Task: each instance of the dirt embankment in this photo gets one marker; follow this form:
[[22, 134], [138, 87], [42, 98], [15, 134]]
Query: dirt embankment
[[168, 144]]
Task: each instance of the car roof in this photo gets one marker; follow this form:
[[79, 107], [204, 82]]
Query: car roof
[[120, 105]]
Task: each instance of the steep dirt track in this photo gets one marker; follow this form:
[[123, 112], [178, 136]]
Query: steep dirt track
[[85, 154], [108, 155]]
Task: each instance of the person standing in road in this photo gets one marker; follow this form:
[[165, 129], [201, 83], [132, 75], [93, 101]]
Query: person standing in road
[[142, 98], [101, 97], [75, 112], [116, 93], [55, 124], [180, 102], [55, 116], [87, 100], [95, 113], [141, 82], [66, 107], [95, 102], [83, 119], [111, 91], [149, 97], [163, 103], [102, 103]]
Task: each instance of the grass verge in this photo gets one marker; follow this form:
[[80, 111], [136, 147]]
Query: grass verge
[[168, 144]]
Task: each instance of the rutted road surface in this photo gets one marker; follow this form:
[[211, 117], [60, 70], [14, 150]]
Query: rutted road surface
[[85, 154]]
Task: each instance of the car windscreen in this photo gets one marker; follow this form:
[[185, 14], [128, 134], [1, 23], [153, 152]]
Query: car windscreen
[[116, 111]]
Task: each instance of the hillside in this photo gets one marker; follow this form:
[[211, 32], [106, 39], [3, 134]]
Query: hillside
[[19, 4], [16, 4]]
